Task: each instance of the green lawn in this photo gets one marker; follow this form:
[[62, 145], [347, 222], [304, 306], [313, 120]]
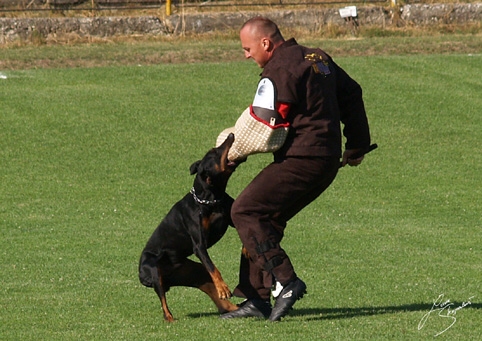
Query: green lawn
[[92, 158]]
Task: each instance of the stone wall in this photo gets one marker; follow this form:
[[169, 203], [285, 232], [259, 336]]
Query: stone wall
[[12, 29], [442, 13]]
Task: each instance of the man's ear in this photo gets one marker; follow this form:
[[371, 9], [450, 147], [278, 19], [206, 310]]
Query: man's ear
[[266, 44], [194, 166]]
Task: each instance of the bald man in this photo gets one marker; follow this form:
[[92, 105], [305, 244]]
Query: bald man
[[312, 95]]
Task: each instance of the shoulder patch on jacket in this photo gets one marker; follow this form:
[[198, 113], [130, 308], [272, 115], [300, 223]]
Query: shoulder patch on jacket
[[319, 65]]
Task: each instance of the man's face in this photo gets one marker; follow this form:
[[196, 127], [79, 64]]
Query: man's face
[[254, 47]]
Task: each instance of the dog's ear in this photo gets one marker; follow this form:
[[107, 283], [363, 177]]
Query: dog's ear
[[194, 166]]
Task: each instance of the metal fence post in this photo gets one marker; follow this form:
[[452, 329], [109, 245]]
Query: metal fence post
[[168, 7]]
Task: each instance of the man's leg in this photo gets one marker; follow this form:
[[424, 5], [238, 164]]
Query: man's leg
[[260, 214], [290, 292], [251, 281]]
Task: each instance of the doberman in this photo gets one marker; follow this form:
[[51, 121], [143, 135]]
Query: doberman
[[195, 223]]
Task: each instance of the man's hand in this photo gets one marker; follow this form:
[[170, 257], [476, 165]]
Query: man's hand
[[354, 157], [347, 157]]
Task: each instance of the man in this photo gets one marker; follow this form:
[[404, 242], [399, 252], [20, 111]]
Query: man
[[309, 92]]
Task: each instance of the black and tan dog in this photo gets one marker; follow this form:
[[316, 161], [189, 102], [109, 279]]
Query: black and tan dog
[[193, 224]]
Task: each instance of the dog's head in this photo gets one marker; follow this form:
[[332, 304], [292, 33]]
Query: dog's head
[[214, 169]]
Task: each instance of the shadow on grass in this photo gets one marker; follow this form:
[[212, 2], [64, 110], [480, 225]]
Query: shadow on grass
[[342, 313]]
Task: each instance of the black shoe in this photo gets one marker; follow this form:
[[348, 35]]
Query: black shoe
[[250, 308], [292, 292]]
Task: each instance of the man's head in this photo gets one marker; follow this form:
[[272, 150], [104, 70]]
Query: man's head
[[259, 38]]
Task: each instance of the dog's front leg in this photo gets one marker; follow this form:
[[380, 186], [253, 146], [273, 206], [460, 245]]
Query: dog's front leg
[[200, 250], [221, 286]]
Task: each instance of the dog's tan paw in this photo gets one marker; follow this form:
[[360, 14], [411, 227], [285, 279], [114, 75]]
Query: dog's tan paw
[[223, 292], [168, 318]]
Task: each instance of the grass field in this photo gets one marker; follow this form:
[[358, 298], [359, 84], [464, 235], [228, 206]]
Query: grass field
[[92, 158]]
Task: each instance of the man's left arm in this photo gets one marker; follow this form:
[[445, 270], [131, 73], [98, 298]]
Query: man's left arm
[[353, 116]]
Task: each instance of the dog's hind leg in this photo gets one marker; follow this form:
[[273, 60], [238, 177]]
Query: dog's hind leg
[[158, 287], [195, 275]]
